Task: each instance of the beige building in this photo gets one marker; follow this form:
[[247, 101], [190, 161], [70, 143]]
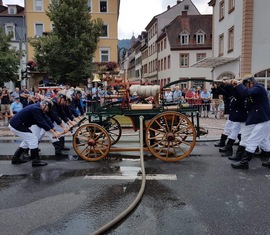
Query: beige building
[[240, 40], [37, 22]]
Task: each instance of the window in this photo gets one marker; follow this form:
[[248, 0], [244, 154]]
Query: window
[[10, 30], [200, 38], [12, 10], [221, 10], [38, 29], [184, 60], [165, 63], [103, 6], [186, 7], [184, 38], [221, 45], [89, 4], [165, 43], [230, 39], [161, 65], [38, 5], [169, 62], [231, 6], [104, 31], [200, 56], [104, 55]]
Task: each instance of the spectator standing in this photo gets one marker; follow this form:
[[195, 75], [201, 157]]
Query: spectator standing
[[16, 106], [168, 95], [215, 99], [15, 94], [24, 95], [190, 95], [206, 99], [177, 94], [5, 101]]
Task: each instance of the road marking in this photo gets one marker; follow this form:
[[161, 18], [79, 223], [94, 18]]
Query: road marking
[[132, 177]]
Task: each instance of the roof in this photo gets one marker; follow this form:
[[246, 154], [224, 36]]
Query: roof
[[212, 62], [191, 24]]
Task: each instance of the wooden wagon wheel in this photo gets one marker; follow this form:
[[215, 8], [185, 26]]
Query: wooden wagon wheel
[[91, 142], [114, 129], [170, 136]]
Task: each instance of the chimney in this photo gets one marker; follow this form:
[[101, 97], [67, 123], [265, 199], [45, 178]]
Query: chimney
[[178, 1], [168, 7], [184, 13], [1, 2]]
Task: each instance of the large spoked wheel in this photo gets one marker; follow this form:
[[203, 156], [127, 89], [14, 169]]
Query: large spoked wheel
[[170, 136], [114, 129], [91, 142]]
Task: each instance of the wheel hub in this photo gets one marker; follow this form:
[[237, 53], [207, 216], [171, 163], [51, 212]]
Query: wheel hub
[[170, 137], [91, 142]]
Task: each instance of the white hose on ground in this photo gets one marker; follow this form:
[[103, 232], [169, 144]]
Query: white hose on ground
[[117, 219]]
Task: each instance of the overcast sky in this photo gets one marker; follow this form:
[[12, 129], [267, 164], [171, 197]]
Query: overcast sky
[[136, 14]]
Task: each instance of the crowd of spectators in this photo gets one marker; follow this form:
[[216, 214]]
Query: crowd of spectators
[[13, 101], [202, 99]]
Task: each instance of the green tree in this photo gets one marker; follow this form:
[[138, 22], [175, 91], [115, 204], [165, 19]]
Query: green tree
[[9, 59], [67, 52]]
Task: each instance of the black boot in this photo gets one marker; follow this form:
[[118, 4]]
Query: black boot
[[228, 149], [35, 155], [239, 140], [238, 155], [62, 141], [222, 141], [243, 164], [25, 154], [266, 155], [59, 150], [16, 157]]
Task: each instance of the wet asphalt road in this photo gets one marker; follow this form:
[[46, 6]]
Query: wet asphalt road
[[208, 197]]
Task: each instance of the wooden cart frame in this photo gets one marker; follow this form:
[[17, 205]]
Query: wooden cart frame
[[170, 131]]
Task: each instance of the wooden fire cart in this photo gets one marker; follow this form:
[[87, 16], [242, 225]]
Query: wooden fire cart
[[170, 130]]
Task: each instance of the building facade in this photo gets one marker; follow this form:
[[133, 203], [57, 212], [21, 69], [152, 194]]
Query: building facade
[[12, 21], [154, 29], [241, 44], [186, 40], [38, 22]]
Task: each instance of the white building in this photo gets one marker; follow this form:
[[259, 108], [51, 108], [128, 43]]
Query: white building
[[154, 29], [186, 40], [241, 41]]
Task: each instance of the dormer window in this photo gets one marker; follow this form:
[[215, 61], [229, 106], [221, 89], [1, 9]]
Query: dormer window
[[200, 37], [12, 10], [184, 37]]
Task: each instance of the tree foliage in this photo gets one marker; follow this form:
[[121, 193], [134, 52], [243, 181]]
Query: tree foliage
[[9, 59], [67, 52]]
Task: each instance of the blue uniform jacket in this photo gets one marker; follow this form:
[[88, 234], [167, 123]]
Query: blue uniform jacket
[[68, 113], [28, 116], [226, 91], [257, 103], [238, 112], [76, 104], [56, 112]]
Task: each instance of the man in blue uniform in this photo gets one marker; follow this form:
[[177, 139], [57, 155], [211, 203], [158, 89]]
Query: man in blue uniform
[[237, 115], [20, 124], [257, 126]]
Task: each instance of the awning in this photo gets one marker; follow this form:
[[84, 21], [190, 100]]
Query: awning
[[212, 62]]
